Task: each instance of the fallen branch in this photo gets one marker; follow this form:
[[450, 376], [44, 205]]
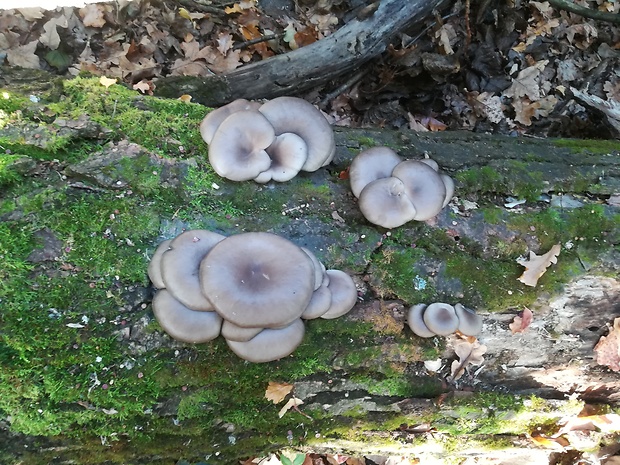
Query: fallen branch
[[308, 67], [585, 12]]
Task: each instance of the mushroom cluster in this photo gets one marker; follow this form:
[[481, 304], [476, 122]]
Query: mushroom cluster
[[270, 141], [441, 319], [252, 288], [392, 192]]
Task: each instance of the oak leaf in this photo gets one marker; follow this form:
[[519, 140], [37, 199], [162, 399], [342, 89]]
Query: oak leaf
[[469, 354], [526, 83], [24, 56], [50, 37], [607, 349], [521, 323], [292, 403], [93, 15], [276, 392], [536, 266]]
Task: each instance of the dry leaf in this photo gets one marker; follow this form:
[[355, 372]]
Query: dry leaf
[[526, 83], [93, 15], [143, 86], [185, 98], [521, 323], [550, 443], [293, 402], [468, 354], [106, 82], [50, 37], [607, 348], [24, 56], [276, 392], [608, 423], [536, 265]]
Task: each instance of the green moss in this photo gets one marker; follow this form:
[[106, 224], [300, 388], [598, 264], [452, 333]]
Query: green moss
[[485, 179], [596, 146]]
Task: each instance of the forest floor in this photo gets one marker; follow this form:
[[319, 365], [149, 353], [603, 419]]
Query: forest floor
[[502, 67]]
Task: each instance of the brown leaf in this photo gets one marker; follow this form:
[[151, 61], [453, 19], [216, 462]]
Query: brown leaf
[[276, 392], [536, 265], [468, 354], [106, 82], [550, 443], [50, 37], [607, 348], [526, 83], [521, 323], [292, 403], [93, 15]]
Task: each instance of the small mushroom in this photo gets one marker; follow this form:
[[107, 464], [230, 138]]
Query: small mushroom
[[270, 344], [371, 164], [238, 148], [154, 268], [441, 319], [181, 264], [297, 116], [470, 324], [258, 280], [214, 118], [182, 323], [415, 321], [288, 153], [319, 269], [423, 186], [344, 294], [384, 202]]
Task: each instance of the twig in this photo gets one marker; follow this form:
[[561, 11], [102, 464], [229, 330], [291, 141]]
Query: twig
[[426, 29], [200, 5], [586, 12], [258, 40], [339, 90]]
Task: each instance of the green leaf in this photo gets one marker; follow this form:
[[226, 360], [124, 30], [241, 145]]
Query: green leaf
[[58, 59]]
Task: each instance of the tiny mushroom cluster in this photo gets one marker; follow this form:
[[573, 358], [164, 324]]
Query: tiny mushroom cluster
[[392, 192], [252, 288], [270, 141], [441, 319]]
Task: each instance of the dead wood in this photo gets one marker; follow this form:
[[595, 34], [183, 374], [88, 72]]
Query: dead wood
[[347, 49]]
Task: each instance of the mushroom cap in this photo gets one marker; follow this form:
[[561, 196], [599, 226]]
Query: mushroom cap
[[448, 182], [258, 279], [470, 323], [237, 150], [415, 321], [320, 302], [154, 268], [430, 162], [270, 344], [288, 153], [384, 202], [424, 187], [441, 319], [214, 118], [182, 323], [371, 164], [319, 269], [180, 267], [232, 332], [344, 294], [292, 114]]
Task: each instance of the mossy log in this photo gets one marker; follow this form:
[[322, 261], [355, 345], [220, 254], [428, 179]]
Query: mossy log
[[88, 376]]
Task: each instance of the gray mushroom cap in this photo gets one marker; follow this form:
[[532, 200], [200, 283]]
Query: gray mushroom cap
[[258, 280], [180, 267], [449, 183], [470, 323], [441, 319], [238, 149], [415, 321], [319, 269], [371, 164], [214, 118], [154, 268], [423, 186], [320, 302], [384, 202], [344, 294], [295, 115], [270, 344], [182, 323], [288, 153], [233, 332]]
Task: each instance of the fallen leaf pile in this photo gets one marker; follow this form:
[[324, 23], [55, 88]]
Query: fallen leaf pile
[[536, 266], [608, 348]]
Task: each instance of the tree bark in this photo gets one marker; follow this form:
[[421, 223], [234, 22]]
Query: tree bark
[[347, 49]]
